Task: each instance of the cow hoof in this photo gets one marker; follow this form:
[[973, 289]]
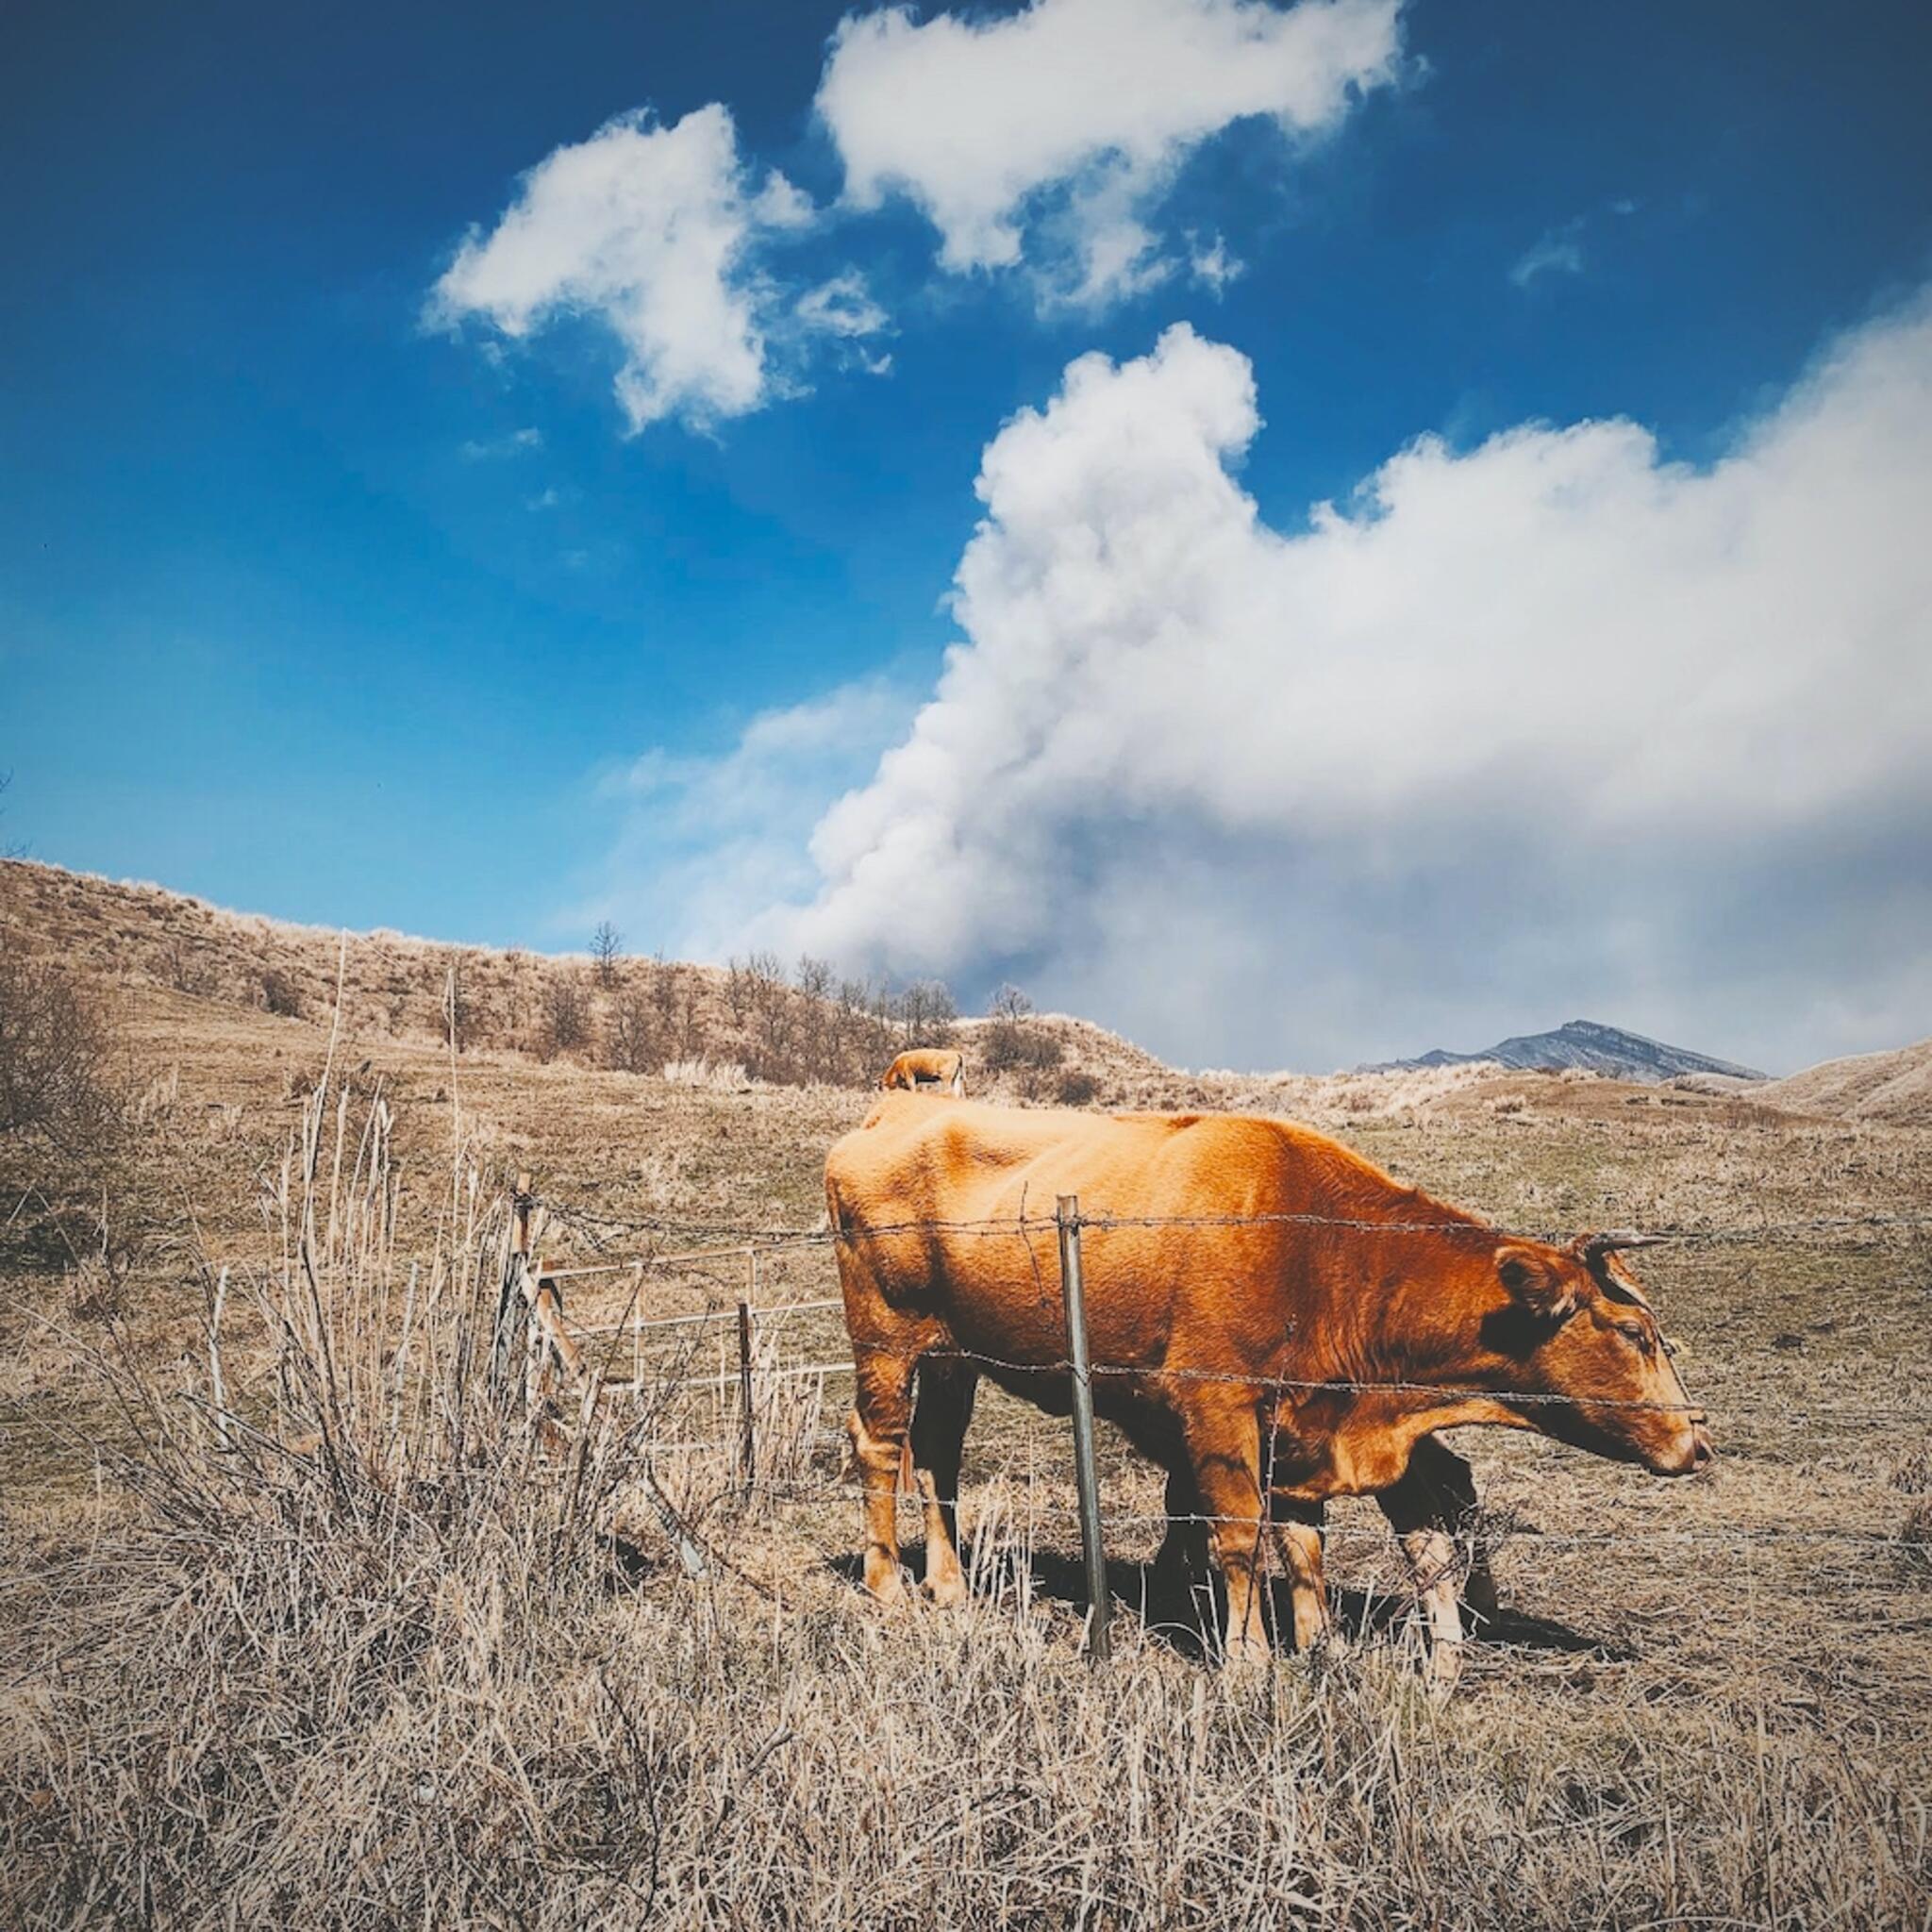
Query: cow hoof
[[1479, 1597], [1444, 1669], [947, 1589], [885, 1584]]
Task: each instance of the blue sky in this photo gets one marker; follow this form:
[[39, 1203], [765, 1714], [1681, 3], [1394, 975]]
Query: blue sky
[[324, 598]]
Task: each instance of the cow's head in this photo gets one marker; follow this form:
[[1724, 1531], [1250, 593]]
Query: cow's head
[[1587, 1357]]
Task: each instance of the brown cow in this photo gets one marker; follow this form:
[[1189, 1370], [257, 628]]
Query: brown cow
[[926, 1067], [1257, 1274]]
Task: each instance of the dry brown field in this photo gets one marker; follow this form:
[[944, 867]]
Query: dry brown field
[[373, 1653]]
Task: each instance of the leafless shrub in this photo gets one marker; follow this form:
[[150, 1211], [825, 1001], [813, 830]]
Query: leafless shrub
[[1014, 1042], [1077, 1087], [58, 1084], [631, 1040], [280, 995], [182, 970]]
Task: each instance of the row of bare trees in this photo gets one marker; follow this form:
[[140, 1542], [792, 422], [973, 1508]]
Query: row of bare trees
[[790, 1026]]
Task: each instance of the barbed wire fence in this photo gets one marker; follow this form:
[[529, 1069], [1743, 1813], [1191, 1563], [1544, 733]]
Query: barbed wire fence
[[754, 1427]]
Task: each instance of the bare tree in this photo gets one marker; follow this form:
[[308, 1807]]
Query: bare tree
[[607, 948], [818, 1032], [773, 1017], [632, 1044], [814, 978], [10, 850], [690, 1034], [738, 991], [566, 1015], [926, 1014]]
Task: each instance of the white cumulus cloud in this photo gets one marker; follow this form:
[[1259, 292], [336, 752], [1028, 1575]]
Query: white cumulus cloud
[[1551, 726], [1062, 126], [655, 231]]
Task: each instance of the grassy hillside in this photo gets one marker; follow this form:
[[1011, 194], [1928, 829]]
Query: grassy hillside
[[428, 1669], [1895, 1086]]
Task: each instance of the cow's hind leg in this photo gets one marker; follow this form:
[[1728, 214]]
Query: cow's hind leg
[[881, 1426], [939, 1441], [1432, 1510], [1453, 1483], [1178, 1579], [1183, 1552]]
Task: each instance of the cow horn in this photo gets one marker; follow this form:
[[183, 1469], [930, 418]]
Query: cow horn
[[1591, 1247]]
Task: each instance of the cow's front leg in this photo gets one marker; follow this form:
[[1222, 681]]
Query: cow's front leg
[[879, 1427], [939, 1441], [1225, 1449], [1298, 1537]]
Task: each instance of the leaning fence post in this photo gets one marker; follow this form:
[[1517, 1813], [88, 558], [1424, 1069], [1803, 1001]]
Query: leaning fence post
[[509, 1293], [747, 1448], [1067, 1213]]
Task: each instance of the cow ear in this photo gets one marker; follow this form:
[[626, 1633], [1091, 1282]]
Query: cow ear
[[1536, 1282]]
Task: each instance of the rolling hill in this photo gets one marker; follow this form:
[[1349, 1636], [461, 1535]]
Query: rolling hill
[[1894, 1087]]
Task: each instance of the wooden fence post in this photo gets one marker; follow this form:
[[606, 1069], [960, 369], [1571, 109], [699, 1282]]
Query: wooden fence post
[[748, 1444], [1067, 1213], [511, 1294]]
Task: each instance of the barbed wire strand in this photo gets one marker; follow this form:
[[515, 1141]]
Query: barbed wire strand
[[742, 1236]]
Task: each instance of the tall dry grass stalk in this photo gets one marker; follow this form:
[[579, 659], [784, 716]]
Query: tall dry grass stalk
[[375, 1650]]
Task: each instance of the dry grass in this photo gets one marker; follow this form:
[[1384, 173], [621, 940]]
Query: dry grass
[[381, 1657]]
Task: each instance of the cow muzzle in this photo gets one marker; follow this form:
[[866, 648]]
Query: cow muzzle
[[1690, 1452]]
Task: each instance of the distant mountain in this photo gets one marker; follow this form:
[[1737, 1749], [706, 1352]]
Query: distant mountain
[[1585, 1043]]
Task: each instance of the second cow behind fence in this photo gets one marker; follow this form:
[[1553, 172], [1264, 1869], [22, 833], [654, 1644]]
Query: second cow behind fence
[[1273, 1320], [928, 1068]]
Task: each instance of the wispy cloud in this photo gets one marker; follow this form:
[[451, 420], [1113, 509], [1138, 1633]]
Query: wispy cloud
[[516, 443], [721, 839], [1210, 263], [1559, 251]]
